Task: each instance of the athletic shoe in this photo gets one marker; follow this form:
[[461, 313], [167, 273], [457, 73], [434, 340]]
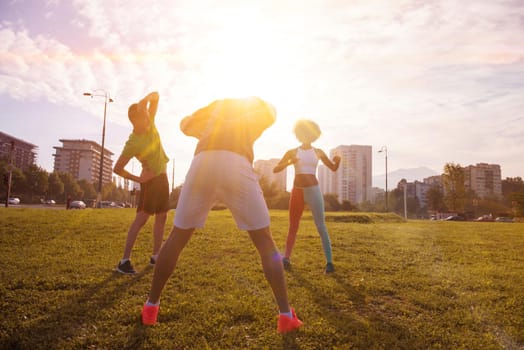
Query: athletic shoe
[[286, 324], [126, 268], [152, 261], [287, 264], [330, 268], [150, 314]]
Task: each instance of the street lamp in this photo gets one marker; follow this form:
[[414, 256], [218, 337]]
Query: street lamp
[[107, 98], [385, 150], [9, 168]]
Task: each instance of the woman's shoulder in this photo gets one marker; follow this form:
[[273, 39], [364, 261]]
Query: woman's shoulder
[[292, 151]]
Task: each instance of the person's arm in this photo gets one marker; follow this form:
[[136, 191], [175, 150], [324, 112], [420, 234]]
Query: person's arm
[[150, 104], [288, 159], [196, 123], [333, 165], [119, 169]]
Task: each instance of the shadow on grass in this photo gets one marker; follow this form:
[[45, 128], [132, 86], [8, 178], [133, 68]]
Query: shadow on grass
[[73, 320], [355, 322]]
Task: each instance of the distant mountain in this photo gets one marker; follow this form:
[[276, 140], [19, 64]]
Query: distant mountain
[[410, 175]]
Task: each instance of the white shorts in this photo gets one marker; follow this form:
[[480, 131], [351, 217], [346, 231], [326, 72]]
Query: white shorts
[[226, 177]]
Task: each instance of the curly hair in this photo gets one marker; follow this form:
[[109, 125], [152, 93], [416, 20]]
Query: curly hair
[[307, 131]]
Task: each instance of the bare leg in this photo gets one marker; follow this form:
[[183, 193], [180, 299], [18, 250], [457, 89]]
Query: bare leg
[[140, 220], [167, 260], [272, 265], [158, 231]]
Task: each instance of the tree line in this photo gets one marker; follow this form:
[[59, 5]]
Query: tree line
[[35, 185]]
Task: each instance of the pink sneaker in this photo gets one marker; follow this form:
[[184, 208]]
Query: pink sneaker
[[150, 314], [286, 324]]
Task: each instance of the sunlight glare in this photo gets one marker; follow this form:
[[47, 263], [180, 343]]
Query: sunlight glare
[[249, 59]]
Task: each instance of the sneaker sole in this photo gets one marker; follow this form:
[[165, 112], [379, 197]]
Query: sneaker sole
[[125, 272]]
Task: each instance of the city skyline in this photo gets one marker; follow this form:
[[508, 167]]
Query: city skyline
[[265, 165], [435, 82]]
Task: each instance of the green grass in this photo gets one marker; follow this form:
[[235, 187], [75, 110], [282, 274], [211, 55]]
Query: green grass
[[398, 285]]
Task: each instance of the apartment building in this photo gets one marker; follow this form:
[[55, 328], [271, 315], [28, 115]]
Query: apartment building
[[20, 153], [81, 158], [352, 181], [417, 189], [484, 179], [264, 168]]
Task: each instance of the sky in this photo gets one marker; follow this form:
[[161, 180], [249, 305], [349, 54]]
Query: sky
[[433, 81]]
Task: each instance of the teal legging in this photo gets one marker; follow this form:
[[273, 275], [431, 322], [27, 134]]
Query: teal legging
[[313, 197]]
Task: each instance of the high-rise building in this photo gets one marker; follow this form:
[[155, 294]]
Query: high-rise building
[[484, 179], [20, 152], [264, 168], [417, 189], [352, 181], [81, 158]]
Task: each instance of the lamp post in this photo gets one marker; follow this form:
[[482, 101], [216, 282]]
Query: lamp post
[[107, 98], [9, 167], [385, 150]]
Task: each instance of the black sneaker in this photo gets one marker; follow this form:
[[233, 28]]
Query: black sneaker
[[126, 268], [287, 264], [152, 261], [330, 268]]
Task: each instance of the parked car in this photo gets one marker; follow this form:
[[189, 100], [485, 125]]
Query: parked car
[[108, 204], [504, 219], [49, 202], [77, 205], [484, 218], [14, 200], [454, 218]]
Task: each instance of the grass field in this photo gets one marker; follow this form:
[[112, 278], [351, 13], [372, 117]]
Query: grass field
[[398, 285]]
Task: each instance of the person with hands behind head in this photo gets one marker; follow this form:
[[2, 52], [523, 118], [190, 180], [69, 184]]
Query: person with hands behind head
[[145, 145], [306, 188]]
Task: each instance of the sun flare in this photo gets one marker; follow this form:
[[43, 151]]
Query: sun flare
[[249, 59]]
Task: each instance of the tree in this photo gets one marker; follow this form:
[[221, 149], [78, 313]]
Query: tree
[[56, 186], [511, 185], [435, 199], [71, 187], [454, 187], [274, 196], [513, 194], [517, 202], [347, 206], [36, 182], [331, 202], [87, 188], [17, 180]]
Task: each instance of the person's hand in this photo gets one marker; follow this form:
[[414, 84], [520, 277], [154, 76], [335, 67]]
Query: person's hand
[[153, 95], [336, 159]]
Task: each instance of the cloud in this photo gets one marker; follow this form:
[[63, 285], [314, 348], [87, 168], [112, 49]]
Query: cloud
[[438, 75]]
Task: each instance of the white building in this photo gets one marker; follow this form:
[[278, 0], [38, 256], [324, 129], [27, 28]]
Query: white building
[[264, 168], [352, 181], [484, 179], [81, 159]]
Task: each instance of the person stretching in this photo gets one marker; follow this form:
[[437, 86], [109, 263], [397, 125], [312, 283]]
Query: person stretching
[[305, 187], [222, 170]]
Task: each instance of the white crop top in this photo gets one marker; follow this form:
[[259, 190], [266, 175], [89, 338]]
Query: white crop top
[[307, 161]]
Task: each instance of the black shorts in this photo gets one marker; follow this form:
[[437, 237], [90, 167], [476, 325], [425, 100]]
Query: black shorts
[[154, 195]]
